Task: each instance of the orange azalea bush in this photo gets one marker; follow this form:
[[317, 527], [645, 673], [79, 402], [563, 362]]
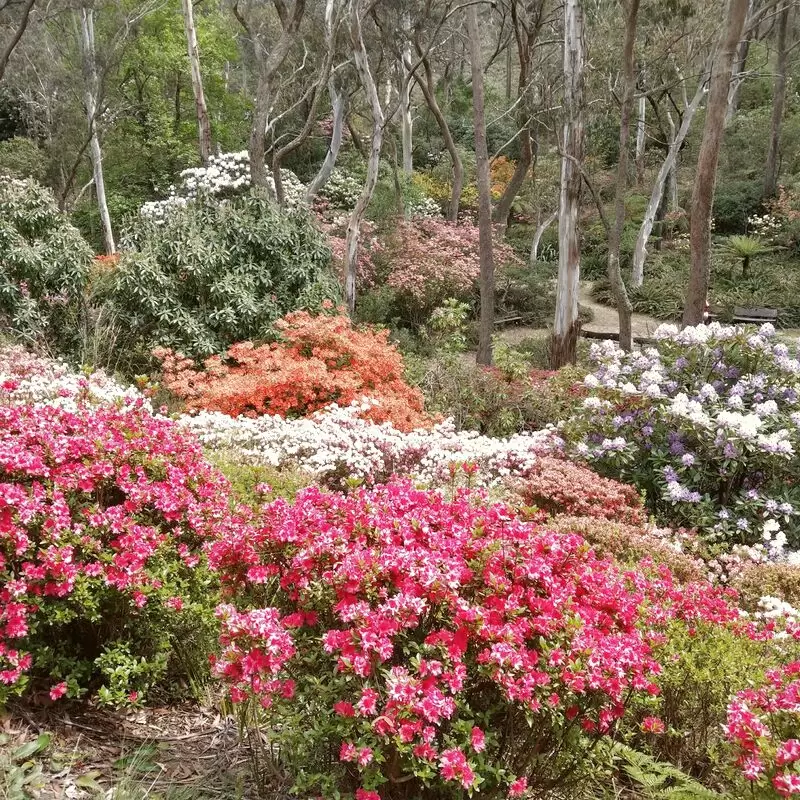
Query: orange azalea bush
[[320, 360]]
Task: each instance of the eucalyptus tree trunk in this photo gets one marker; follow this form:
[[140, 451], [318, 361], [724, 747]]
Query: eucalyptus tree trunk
[[428, 87], [269, 63], [537, 236], [486, 323], [641, 128], [707, 160], [339, 108], [91, 102], [624, 308], [667, 168], [778, 102], [739, 64], [566, 326], [373, 161], [201, 110], [406, 120]]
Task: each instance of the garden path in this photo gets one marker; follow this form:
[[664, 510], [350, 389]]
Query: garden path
[[604, 320]]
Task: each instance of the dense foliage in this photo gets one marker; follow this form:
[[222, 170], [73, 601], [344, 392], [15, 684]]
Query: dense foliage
[[212, 274], [44, 266]]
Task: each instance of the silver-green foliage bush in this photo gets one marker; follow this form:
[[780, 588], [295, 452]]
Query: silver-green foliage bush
[[44, 265], [213, 273]]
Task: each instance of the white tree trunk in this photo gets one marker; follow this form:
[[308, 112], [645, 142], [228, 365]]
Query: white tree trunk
[[338, 105], [672, 178], [406, 120], [640, 138], [537, 236], [373, 162], [640, 251], [201, 110], [565, 326], [90, 100]]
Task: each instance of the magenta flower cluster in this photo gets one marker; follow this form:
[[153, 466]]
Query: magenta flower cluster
[[438, 624]]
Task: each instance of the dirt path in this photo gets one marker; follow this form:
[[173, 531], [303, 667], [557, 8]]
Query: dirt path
[[604, 320]]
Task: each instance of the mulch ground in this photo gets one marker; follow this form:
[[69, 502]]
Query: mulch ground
[[183, 752]]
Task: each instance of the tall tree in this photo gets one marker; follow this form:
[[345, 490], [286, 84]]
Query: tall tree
[[778, 102], [707, 160], [623, 303], [527, 19], [353, 235], [201, 110], [486, 323], [269, 59], [667, 170], [91, 94], [567, 325]]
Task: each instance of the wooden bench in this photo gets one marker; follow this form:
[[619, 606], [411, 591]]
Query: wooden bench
[[507, 320], [755, 316]]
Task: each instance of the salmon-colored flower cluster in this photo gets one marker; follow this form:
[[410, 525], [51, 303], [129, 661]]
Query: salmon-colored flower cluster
[[560, 487], [421, 628], [103, 513], [320, 360]]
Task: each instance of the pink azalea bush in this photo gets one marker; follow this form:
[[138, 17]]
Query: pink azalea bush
[[103, 515], [764, 729], [405, 645]]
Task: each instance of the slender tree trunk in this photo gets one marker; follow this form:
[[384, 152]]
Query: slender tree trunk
[[667, 166], [269, 63], [406, 119], [339, 107], [641, 127], [623, 303], [486, 324], [739, 65], [5, 54], [373, 162], [706, 174], [672, 178], [91, 101], [537, 237], [566, 326], [428, 87], [203, 122], [778, 102]]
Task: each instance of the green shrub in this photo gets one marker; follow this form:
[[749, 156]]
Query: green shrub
[[213, 274], [20, 157], [44, 266], [734, 202], [249, 482]]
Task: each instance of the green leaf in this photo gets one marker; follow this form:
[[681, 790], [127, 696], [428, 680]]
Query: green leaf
[[31, 748]]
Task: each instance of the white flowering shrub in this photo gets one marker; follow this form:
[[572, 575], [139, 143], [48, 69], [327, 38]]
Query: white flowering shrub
[[342, 190], [337, 444], [706, 423], [30, 379], [227, 175]]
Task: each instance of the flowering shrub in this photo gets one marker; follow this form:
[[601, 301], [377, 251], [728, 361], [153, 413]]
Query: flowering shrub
[[338, 443], [227, 175], [215, 274], [44, 266], [431, 260], [560, 487], [342, 190], [103, 514], [320, 360], [706, 424], [763, 727], [412, 635], [28, 379]]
